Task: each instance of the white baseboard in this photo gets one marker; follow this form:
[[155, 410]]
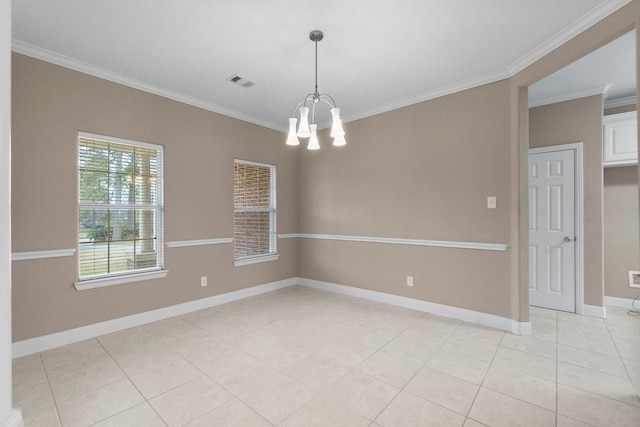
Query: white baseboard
[[594, 311], [46, 342], [519, 328], [620, 302], [14, 420]]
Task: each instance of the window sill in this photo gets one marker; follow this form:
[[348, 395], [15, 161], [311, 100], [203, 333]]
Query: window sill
[[119, 280], [254, 260]]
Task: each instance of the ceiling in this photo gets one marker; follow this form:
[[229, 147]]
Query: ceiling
[[376, 55], [610, 70]]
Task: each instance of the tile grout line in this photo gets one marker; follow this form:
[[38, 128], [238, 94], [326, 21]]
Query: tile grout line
[[132, 383], [402, 389], [235, 397], [626, 369], [483, 379], [53, 398], [352, 369]]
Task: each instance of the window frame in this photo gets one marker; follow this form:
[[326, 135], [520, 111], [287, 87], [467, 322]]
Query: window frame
[[272, 255], [157, 208]]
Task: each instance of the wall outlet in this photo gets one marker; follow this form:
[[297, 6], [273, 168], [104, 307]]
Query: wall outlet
[[409, 280], [203, 281], [634, 279], [491, 202]]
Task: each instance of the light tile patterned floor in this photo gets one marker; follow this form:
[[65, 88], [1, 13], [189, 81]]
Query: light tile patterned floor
[[303, 357]]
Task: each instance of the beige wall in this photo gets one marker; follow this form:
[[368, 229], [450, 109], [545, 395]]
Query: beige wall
[[420, 172], [579, 120], [605, 31], [50, 105], [621, 243]]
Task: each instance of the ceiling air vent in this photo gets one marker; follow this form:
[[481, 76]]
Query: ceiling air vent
[[240, 81]]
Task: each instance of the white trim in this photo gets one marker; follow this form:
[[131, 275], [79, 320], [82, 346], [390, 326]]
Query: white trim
[[632, 283], [397, 241], [250, 162], [471, 316], [288, 236], [600, 90], [597, 14], [84, 285], [521, 328], [200, 242], [56, 253], [122, 141], [255, 260], [620, 163], [620, 102], [46, 342], [428, 95], [579, 215], [594, 311], [619, 302], [9, 417], [14, 420], [93, 70]]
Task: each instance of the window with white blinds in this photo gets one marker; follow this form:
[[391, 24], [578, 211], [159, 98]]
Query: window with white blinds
[[254, 204], [120, 207]]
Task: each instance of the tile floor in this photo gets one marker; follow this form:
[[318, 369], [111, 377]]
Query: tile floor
[[303, 357]]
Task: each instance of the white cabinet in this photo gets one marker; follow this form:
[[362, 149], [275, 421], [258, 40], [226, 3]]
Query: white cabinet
[[620, 139]]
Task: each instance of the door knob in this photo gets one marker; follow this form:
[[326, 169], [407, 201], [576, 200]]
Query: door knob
[[567, 239]]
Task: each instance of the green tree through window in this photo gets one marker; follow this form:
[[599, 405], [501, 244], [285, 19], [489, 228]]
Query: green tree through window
[[120, 206]]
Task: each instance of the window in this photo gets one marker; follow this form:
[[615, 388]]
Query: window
[[254, 219], [120, 207]]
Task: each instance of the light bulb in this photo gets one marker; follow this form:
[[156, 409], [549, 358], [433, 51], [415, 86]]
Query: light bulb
[[292, 139], [313, 141], [336, 128], [339, 141], [303, 130]]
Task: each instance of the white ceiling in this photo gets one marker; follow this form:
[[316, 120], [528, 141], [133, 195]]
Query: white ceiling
[[376, 55], [610, 70]]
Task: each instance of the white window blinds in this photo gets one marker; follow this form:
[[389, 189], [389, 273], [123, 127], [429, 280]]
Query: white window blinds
[[254, 202], [120, 206]]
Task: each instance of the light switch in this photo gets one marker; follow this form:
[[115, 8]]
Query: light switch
[[491, 202]]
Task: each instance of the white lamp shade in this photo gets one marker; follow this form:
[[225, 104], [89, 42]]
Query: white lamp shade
[[303, 129], [336, 128], [339, 141], [292, 138], [313, 141]]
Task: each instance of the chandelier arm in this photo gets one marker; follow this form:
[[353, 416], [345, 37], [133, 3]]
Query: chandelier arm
[[329, 101], [303, 102], [313, 113]]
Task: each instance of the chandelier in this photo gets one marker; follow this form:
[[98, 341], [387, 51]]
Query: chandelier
[[307, 129]]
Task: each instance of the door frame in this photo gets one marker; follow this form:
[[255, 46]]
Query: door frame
[[578, 213]]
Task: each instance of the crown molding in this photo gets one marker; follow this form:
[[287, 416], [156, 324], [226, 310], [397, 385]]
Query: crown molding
[[599, 90], [83, 67], [597, 14], [620, 102], [432, 94]]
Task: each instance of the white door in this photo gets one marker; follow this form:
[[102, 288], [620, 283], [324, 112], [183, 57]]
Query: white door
[[552, 247]]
